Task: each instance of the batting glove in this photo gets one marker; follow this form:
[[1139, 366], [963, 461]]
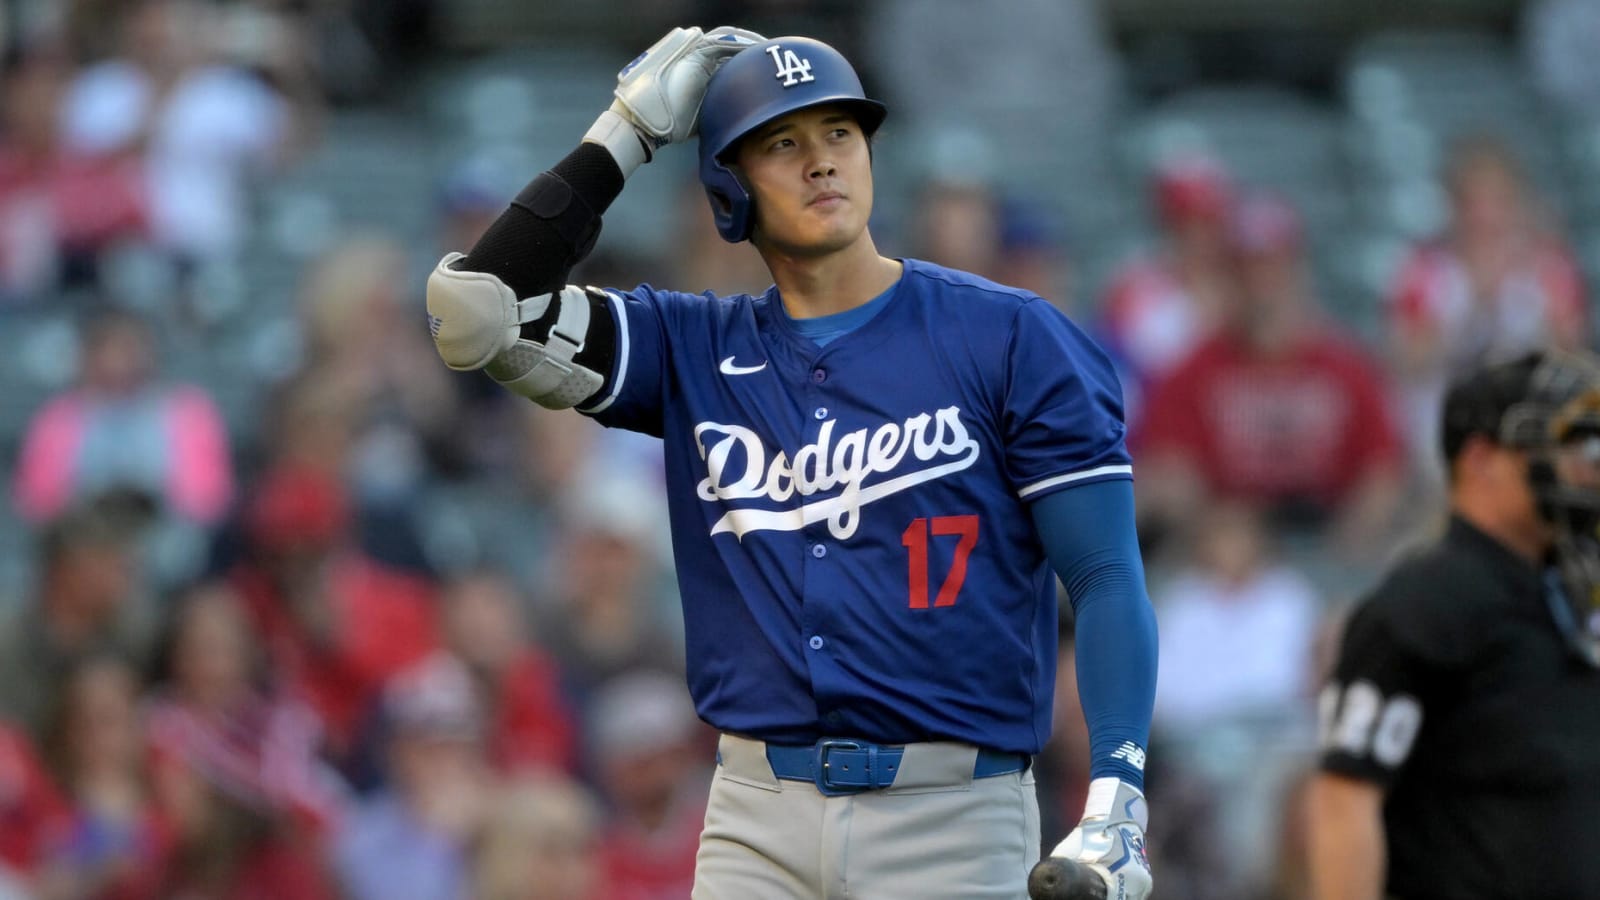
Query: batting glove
[[658, 94], [1110, 839]]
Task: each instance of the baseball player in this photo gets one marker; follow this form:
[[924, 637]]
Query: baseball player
[[876, 470]]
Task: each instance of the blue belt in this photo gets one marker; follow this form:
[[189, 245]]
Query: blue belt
[[837, 766]]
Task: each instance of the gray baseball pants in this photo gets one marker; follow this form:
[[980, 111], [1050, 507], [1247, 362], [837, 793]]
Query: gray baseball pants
[[936, 832]]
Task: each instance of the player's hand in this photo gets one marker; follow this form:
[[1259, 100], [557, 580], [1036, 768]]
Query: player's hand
[[1110, 839], [659, 93]]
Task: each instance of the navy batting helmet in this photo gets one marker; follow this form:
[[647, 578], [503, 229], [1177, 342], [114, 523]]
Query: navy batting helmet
[[755, 86]]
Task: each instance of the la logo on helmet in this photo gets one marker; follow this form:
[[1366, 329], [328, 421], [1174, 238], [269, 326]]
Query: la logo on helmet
[[790, 65]]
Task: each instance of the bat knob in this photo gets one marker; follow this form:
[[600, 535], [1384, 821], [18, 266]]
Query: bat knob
[[1055, 878]]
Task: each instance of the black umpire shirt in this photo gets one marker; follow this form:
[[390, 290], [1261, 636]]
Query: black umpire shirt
[[1455, 692]]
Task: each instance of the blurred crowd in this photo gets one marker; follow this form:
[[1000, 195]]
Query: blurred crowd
[[390, 632]]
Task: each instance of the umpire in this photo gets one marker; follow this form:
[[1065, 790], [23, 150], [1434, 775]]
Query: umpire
[[1461, 725]]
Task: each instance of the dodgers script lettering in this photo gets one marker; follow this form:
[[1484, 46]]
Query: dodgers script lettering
[[825, 465]]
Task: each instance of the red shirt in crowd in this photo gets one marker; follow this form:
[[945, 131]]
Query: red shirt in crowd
[[383, 621], [1540, 303], [1305, 425], [532, 727], [34, 817], [277, 868], [65, 203], [653, 866], [1151, 318]]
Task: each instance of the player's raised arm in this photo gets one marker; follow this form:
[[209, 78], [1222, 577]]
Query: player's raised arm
[[504, 306]]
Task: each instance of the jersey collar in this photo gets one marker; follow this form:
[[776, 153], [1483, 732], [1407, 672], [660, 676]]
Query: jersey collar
[[778, 317]]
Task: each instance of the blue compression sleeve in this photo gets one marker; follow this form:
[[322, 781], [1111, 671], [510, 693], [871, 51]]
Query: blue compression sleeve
[[1088, 533]]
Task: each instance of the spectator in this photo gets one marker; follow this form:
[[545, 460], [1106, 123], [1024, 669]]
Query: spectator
[[412, 839], [34, 818], [214, 671], [518, 684], [652, 763], [1237, 627], [1495, 285], [547, 455], [553, 453], [405, 420], [336, 622], [957, 224], [122, 427], [539, 843], [311, 426], [1160, 306], [201, 125], [86, 606], [228, 798], [1034, 252], [1278, 408], [97, 749], [606, 617], [58, 208], [213, 664], [962, 217]]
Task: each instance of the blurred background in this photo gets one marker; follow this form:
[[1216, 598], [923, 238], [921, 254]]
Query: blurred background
[[289, 610]]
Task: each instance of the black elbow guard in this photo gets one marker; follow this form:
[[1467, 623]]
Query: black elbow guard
[[551, 225], [550, 199]]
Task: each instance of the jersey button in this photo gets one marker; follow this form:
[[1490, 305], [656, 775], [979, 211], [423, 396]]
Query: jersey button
[[815, 642], [821, 413], [819, 551], [819, 375]]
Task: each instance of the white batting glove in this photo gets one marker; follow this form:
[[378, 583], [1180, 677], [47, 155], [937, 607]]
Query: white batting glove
[[1110, 839], [658, 94]]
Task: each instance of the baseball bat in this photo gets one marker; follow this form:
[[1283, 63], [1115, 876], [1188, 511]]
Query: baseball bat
[[1056, 878]]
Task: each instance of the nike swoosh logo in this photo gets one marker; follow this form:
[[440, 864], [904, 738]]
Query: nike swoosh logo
[[728, 368]]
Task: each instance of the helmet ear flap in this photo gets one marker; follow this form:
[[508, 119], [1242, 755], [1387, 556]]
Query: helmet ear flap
[[731, 203]]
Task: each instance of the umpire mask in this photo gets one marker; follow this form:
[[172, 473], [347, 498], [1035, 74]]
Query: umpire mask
[[1557, 423]]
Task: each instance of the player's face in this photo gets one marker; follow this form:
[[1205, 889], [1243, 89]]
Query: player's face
[[811, 176]]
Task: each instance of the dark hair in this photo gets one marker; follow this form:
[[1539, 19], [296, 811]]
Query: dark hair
[[1476, 403], [113, 518]]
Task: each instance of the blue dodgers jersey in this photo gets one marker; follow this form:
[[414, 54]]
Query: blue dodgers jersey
[[853, 548]]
